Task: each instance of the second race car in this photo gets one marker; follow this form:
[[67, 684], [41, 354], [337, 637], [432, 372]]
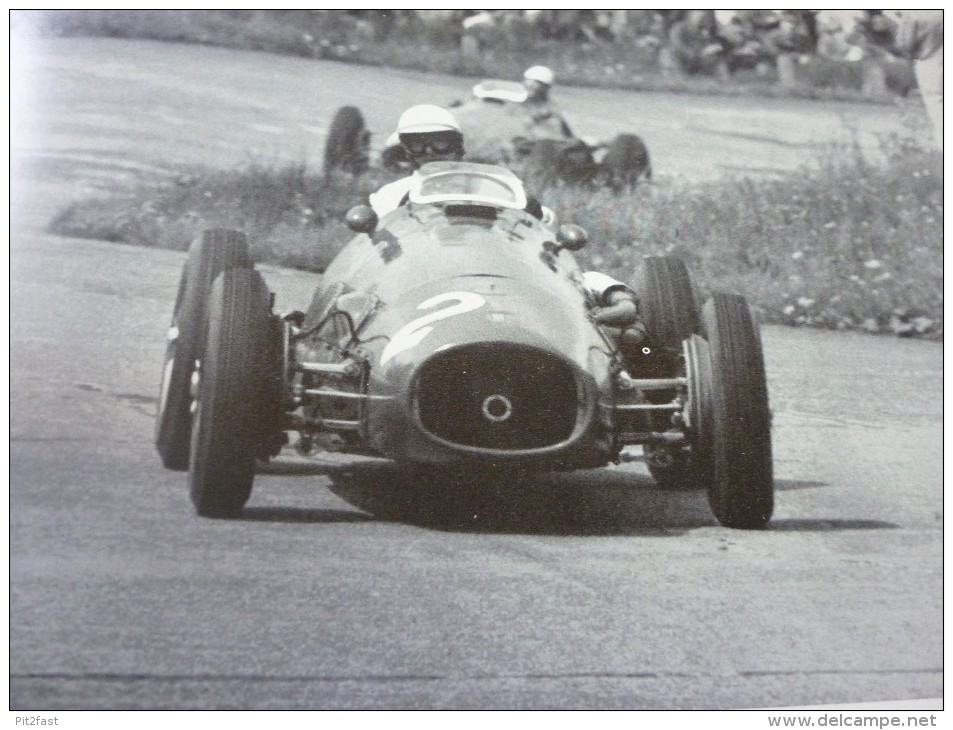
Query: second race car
[[500, 127]]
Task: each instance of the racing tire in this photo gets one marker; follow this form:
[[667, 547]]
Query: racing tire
[[233, 389], [215, 251], [670, 313], [667, 301], [575, 163], [347, 145], [741, 484], [626, 161]]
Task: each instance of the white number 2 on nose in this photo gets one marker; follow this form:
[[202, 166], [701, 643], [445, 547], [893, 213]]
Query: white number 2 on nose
[[414, 331]]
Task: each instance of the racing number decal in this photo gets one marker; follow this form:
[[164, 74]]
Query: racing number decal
[[414, 332]]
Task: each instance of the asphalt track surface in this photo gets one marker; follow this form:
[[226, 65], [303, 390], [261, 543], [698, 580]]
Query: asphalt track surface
[[346, 585]]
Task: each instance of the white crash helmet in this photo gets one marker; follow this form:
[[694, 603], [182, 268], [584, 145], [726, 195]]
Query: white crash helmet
[[428, 132], [542, 74], [426, 118]]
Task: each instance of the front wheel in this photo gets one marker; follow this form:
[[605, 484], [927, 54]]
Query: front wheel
[[685, 469], [234, 385], [217, 250], [741, 485]]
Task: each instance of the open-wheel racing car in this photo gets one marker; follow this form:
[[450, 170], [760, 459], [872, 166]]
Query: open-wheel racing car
[[500, 127], [455, 333]]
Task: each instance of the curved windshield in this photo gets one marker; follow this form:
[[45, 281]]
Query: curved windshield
[[468, 184], [440, 182]]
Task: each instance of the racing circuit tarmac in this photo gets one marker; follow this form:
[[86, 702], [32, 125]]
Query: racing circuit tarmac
[[344, 585]]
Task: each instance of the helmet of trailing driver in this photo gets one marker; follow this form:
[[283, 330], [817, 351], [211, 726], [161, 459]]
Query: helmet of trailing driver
[[429, 132], [542, 74]]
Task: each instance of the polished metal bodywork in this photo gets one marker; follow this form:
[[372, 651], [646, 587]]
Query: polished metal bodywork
[[464, 326]]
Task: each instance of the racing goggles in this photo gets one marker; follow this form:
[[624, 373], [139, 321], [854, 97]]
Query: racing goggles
[[440, 143]]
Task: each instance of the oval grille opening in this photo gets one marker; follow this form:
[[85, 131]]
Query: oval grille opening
[[498, 397]]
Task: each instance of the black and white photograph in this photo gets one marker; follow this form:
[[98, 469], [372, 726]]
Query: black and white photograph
[[476, 360]]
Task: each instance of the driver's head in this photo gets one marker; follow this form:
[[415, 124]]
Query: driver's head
[[430, 133], [538, 80]]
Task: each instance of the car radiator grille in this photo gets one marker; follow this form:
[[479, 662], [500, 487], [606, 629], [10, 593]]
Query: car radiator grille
[[498, 397]]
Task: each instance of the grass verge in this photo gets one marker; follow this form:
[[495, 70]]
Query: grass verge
[[845, 243]]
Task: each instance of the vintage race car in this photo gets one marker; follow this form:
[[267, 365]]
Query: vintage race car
[[455, 333], [500, 127]]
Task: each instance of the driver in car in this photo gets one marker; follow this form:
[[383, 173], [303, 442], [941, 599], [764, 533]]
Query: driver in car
[[538, 81], [428, 133]]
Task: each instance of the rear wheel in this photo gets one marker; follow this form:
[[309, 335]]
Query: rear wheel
[[667, 301], [625, 162], [741, 487], [234, 390], [217, 250], [348, 142], [670, 313]]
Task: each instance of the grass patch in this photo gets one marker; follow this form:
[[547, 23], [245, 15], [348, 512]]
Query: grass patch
[[293, 217], [843, 244], [847, 243]]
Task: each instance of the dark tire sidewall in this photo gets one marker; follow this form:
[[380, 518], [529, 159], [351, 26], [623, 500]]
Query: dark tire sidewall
[[741, 490], [344, 148], [216, 250], [235, 386], [625, 162], [667, 301]]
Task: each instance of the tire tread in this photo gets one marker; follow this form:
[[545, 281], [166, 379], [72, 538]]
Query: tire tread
[[742, 490]]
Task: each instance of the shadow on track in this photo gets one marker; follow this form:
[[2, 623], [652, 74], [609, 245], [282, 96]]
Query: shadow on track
[[302, 516], [783, 485], [608, 501], [828, 525], [581, 503]]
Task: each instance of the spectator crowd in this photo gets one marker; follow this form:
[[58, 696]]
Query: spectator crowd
[[691, 42]]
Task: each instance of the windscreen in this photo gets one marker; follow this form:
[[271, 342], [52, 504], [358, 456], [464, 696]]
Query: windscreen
[[447, 182], [469, 185]]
